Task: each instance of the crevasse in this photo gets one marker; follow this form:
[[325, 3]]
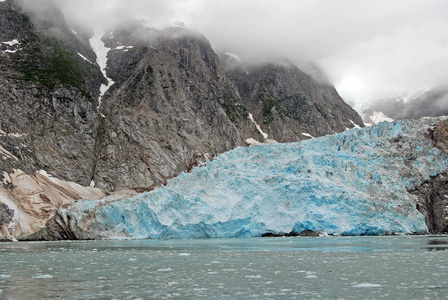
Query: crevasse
[[351, 183]]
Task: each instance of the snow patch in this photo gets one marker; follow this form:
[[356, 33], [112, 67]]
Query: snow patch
[[355, 125], [124, 48], [101, 52], [308, 135], [251, 118], [12, 42], [83, 57], [11, 51], [43, 172], [375, 118], [251, 142]]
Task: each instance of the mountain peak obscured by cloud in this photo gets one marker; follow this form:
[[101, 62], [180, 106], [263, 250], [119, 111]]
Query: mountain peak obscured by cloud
[[369, 49]]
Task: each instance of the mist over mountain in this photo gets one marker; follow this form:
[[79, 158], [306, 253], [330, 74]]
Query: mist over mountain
[[433, 103]]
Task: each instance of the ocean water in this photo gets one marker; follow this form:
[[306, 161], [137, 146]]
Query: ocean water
[[387, 267]]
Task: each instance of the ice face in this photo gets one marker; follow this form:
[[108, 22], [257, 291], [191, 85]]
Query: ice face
[[352, 183]]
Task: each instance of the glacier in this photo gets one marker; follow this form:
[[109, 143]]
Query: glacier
[[353, 183]]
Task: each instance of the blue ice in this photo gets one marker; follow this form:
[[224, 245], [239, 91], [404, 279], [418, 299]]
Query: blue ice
[[352, 183]]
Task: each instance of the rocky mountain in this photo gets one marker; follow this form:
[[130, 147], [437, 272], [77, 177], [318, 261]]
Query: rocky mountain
[[129, 109], [289, 104], [432, 103]]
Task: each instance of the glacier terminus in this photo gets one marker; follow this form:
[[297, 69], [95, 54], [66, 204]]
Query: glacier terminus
[[358, 182]]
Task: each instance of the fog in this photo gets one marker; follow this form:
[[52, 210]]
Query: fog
[[369, 49]]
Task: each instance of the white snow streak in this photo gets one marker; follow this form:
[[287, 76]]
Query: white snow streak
[[251, 141], [308, 135], [101, 59], [83, 57], [12, 42], [251, 118], [355, 125]]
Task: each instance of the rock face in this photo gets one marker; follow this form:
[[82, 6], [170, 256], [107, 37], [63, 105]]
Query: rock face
[[169, 106], [48, 95], [287, 103], [433, 193], [30, 200], [358, 182]]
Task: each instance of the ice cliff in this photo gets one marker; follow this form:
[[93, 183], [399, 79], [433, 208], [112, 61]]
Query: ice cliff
[[353, 183]]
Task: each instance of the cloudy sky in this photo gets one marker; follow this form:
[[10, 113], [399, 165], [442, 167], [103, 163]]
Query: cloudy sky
[[369, 49]]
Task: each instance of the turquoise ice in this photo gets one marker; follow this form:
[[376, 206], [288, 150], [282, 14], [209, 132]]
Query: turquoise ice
[[352, 183]]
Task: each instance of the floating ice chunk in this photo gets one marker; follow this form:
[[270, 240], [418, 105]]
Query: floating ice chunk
[[184, 254], [311, 276], [367, 285], [165, 270], [5, 276], [44, 276], [253, 276], [132, 259]]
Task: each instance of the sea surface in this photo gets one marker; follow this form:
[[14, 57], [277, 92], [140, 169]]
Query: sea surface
[[388, 267]]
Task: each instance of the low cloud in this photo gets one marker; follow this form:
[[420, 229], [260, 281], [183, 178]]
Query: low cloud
[[369, 49]]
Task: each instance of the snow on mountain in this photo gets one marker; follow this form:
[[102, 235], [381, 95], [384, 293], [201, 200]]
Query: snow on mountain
[[101, 58], [375, 118], [353, 183]]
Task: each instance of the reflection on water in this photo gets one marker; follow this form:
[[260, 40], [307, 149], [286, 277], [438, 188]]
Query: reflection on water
[[440, 243], [393, 267]]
